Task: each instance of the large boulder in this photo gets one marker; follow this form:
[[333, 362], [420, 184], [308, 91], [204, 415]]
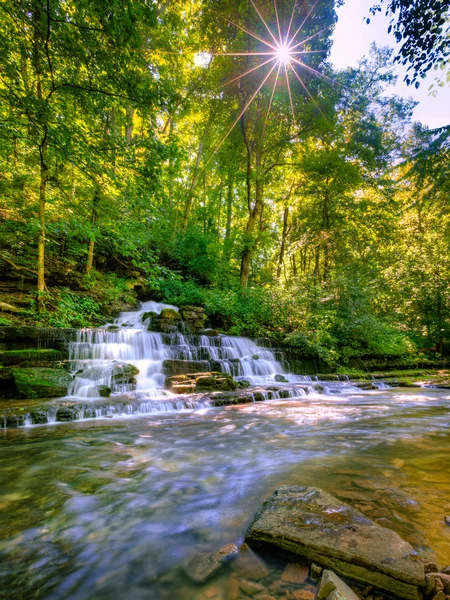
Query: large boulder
[[171, 314], [41, 382], [124, 373], [309, 523]]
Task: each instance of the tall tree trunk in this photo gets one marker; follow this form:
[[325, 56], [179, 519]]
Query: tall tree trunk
[[129, 126], [250, 241], [283, 241], [41, 287], [227, 240], [195, 176], [94, 215]]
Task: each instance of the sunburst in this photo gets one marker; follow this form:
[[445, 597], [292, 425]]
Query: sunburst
[[283, 53]]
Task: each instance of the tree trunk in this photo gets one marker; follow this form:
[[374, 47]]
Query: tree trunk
[[41, 287], [94, 215], [227, 240], [283, 241], [129, 127], [250, 241]]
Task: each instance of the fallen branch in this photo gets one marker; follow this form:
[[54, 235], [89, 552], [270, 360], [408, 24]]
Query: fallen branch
[[20, 268]]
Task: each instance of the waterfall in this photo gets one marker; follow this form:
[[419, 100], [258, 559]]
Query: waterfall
[[100, 358]]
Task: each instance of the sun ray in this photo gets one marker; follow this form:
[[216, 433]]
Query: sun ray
[[305, 88], [236, 121], [271, 99], [305, 52], [247, 72], [302, 64], [265, 24], [247, 31], [247, 53], [309, 38], [304, 20], [290, 23], [290, 94], [280, 43]]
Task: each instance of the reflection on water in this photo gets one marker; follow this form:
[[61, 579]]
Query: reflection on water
[[111, 509]]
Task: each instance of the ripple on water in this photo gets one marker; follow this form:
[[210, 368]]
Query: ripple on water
[[94, 510]]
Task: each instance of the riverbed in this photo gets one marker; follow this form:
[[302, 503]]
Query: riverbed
[[113, 508]]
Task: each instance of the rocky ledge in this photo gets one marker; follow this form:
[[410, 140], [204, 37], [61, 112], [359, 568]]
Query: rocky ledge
[[308, 523]]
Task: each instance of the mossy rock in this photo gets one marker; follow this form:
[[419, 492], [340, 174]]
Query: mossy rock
[[281, 378], [30, 355], [150, 314], [41, 382], [243, 384], [171, 314], [124, 373], [178, 367], [104, 391], [7, 385], [196, 309], [220, 382]]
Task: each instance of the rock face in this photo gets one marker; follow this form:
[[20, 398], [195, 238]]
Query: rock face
[[200, 382], [308, 522], [32, 357], [41, 383], [194, 317], [179, 367], [331, 587]]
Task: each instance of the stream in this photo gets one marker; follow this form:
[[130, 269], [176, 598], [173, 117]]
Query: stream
[[113, 508]]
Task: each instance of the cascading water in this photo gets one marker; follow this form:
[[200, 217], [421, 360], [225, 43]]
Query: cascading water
[[100, 356]]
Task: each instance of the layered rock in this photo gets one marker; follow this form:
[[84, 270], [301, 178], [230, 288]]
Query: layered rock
[[200, 382], [309, 523]]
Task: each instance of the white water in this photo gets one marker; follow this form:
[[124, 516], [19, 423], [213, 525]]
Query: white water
[[98, 353]]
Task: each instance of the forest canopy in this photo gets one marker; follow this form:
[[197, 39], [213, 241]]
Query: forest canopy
[[208, 153]]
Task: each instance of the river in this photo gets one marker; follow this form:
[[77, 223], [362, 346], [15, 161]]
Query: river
[[113, 508]]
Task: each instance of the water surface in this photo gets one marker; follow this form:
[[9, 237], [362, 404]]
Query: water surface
[[113, 508]]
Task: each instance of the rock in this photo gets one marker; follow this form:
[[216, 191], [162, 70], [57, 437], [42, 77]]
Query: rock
[[444, 582], [50, 337], [249, 565], [177, 367], [281, 378], [201, 567], [209, 332], [447, 521], [148, 315], [104, 391], [29, 356], [7, 385], [170, 314], [294, 573], [243, 384], [315, 572], [255, 357], [41, 383], [187, 388], [308, 522], [66, 413], [331, 587], [233, 589], [218, 381], [123, 373], [5, 307], [250, 587]]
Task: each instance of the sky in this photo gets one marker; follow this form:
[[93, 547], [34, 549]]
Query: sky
[[352, 38]]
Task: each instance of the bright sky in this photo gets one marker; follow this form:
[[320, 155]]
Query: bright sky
[[352, 39]]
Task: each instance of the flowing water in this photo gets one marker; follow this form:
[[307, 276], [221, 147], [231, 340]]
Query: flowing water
[[111, 509]]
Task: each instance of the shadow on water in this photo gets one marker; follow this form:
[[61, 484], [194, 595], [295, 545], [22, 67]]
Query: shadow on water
[[112, 509]]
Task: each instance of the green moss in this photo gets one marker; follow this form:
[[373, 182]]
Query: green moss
[[16, 357], [41, 382]]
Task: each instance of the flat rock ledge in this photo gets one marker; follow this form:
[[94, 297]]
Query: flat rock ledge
[[309, 523]]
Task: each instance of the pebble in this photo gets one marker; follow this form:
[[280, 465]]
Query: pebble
[[300, 595], [251, 587], [233, 589]]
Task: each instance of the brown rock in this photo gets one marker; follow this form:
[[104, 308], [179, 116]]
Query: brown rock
[[300, 595], [249, 565], [201, 567], [251, 587], [295, 573], [233, 589]]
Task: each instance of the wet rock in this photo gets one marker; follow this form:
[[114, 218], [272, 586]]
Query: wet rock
[[148, 315], [202, 567], [104, 391], [249, 565], [170, 314], [243, 384], [41, 383], [178, 367], [331, 587], [443, 581], [251, 587], [308, 522], [294, 573], [315, 572], [123, 373], [201, 382], [186, 388], [299, 595], [281, 378], [447, 521], [66, 413], [210, 332]]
